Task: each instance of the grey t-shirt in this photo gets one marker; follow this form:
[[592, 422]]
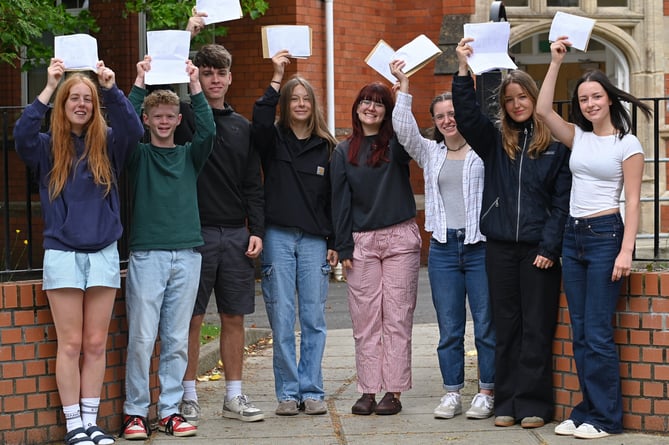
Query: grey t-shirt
[[450, 188]]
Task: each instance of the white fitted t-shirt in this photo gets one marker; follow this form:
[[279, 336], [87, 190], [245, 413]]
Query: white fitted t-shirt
[[596, 165]]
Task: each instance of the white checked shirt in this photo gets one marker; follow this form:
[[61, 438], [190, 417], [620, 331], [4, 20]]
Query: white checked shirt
[[430, 156]]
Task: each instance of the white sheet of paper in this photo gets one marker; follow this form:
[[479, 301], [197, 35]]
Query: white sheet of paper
[[169, 53], [380, 59], [416, 52], [78, 51], [413, 54], [577, 28], [490, 46], [295, 38], [219, 10]]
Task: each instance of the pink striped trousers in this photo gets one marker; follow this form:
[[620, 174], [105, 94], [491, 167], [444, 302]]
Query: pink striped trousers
[[382, 288]]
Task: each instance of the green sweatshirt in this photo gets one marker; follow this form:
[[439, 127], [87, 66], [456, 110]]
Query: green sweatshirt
[[163, 183]]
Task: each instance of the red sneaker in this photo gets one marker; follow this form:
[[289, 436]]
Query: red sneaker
[[135, 427], [177, 426]]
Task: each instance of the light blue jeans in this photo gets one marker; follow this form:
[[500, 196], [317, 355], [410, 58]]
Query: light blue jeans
[[457, 273], [160, 294], [294, 263]]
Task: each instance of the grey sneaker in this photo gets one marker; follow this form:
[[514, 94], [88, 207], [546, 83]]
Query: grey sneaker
[[190, 409], [240, 408], [449, 407], [314, 407], [482, 407], [287, 408]]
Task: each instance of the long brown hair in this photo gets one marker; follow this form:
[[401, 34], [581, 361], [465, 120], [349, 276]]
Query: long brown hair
[[376, 92], [541, 135], [316, 123], [62, 145]]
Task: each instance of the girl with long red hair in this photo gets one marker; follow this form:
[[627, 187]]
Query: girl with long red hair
[[77, 164]]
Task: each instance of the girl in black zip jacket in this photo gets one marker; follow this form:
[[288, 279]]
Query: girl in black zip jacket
[[525, 206]]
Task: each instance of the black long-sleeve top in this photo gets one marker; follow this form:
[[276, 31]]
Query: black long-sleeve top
[[296, 173], [526, 199], [366, 198], [229, 188]]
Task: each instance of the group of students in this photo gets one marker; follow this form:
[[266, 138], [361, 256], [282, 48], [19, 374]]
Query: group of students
[[500, 198]]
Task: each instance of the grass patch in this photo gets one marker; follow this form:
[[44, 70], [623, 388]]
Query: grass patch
[[209, 332]]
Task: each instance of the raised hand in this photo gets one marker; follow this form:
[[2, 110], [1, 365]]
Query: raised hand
[[143, 67], [106, 77]]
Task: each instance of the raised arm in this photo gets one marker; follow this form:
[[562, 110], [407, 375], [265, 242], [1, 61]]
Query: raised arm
[[55, 72], [264, 110], [196, 23], [475, 126], [463, 51], [279, 62], [562, 130], [404, 122]]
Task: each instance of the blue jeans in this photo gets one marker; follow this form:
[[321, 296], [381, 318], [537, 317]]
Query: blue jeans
[[457, 271], [294, 264], [589, 251], [160, 294]]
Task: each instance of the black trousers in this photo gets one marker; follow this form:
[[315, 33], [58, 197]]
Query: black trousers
[[524, 305]]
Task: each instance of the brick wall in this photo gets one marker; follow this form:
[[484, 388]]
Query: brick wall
[[642, 335], [31, 406], [29, 397]]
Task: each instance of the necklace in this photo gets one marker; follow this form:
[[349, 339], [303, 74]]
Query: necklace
[[456, 149]]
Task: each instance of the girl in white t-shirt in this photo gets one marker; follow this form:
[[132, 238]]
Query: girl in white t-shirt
[[597, 247]]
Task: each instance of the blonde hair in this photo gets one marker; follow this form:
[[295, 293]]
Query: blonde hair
[[160, 97], [541, 135], [316, 124], [62, 144]]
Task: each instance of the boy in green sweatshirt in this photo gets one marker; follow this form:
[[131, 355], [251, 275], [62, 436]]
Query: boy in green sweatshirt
[[164, 267]]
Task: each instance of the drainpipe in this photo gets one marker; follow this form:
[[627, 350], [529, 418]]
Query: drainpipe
[[329, 64]]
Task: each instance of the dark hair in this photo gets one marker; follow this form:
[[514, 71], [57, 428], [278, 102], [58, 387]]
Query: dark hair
[[620, 117], [376, 92], [213, 56], [434, 133]]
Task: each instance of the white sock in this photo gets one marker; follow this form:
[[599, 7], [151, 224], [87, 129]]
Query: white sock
[[189, 390], [72, 417], [233, 388], [89, 411]]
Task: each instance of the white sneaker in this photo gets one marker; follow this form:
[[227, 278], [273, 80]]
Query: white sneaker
[[190, 409], [566, 428], [482, 407], [449, 407], [587, 431], [240, 408]]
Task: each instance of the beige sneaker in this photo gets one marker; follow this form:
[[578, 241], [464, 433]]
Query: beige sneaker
[[314, 406], [287, 408]]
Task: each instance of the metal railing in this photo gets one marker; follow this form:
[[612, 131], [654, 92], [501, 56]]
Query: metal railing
[[21, 232]]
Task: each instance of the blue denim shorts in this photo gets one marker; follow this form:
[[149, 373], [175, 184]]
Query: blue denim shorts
[[67, 269]]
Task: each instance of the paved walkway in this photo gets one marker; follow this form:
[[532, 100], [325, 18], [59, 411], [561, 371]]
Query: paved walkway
[[414, 425]]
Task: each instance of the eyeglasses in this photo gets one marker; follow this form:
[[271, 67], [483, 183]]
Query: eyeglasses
[[440, 117], [371, 103]]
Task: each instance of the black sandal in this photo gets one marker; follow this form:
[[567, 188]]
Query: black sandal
[[97, 435], [71, 439]]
